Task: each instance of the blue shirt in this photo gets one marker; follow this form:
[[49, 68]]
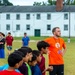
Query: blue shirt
[[25, 41], [36, 70]]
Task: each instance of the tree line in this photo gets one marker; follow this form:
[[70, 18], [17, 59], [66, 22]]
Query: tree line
[[49, 2], [5, 3], [53, 2]]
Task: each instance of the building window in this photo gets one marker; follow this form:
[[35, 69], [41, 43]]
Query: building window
[[48, 27], [28, 16], [17, 27], [18, 16], [48, 16], [65, 27], [38, 16], [8, 27], [8, 16], [27, 27], [65, 16]]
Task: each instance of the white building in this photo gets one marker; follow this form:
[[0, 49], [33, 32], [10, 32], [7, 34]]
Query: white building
[[36, 20]]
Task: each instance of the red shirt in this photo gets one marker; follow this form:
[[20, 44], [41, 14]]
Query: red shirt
[[42, 65], [6, 72], [9, 40]]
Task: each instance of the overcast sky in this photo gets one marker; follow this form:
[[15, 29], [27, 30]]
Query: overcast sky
[[25, 2]]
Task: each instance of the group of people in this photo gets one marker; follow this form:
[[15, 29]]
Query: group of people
[[8, 40], [26, 61]]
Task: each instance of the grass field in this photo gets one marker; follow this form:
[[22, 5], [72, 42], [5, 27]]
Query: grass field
[[69, 56]]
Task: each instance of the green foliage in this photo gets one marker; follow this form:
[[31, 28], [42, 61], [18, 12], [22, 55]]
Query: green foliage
[[68, 2], [39, 4], [50, 2], [6, 3], [73, 3]]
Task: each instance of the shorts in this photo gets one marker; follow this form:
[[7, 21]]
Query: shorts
[[9, 47], [2, 53], [57, 70]]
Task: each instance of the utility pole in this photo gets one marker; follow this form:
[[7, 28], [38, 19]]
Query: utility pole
[[69, 23]]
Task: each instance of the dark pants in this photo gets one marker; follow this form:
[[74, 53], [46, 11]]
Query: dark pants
[[57, 70]]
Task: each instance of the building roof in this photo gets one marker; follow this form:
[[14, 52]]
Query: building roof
[[4, 9]]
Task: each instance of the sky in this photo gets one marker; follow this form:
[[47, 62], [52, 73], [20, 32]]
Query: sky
[[25, 2]]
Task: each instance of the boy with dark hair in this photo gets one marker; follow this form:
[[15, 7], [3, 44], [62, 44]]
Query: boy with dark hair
[[14, 61], [33, 62], [6, 66], [9, 41], [35, 69], [25, 68], [29, 52], [25, 40], [43, 48]]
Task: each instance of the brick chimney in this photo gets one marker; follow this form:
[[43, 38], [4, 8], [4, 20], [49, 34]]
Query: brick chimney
[[59, 5]]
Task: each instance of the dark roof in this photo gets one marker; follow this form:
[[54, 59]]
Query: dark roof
[[4, 9]]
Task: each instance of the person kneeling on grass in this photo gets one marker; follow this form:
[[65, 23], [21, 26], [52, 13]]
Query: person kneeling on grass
[[14, 61]]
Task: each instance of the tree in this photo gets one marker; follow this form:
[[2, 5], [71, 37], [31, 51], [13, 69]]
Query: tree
[[50, 2], [5, 3], [65, 2], [37, 4], [0, 2], [40, 4]]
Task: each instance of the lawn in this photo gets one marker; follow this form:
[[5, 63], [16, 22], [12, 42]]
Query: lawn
[[69, 56]]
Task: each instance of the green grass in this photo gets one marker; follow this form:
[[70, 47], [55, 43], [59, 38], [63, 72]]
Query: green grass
[[32, 38], [43, 37], [69, 56]]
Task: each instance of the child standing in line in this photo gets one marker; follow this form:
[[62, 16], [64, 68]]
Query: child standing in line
[[43, 48], [6, 66], [33, 62], [35, 69], [25, 68], [14, 61]]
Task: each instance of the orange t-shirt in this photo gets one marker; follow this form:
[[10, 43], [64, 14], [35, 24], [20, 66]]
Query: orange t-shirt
[[55, 50]]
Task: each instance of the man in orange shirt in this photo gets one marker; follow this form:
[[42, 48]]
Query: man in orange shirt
[[56, 52]]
